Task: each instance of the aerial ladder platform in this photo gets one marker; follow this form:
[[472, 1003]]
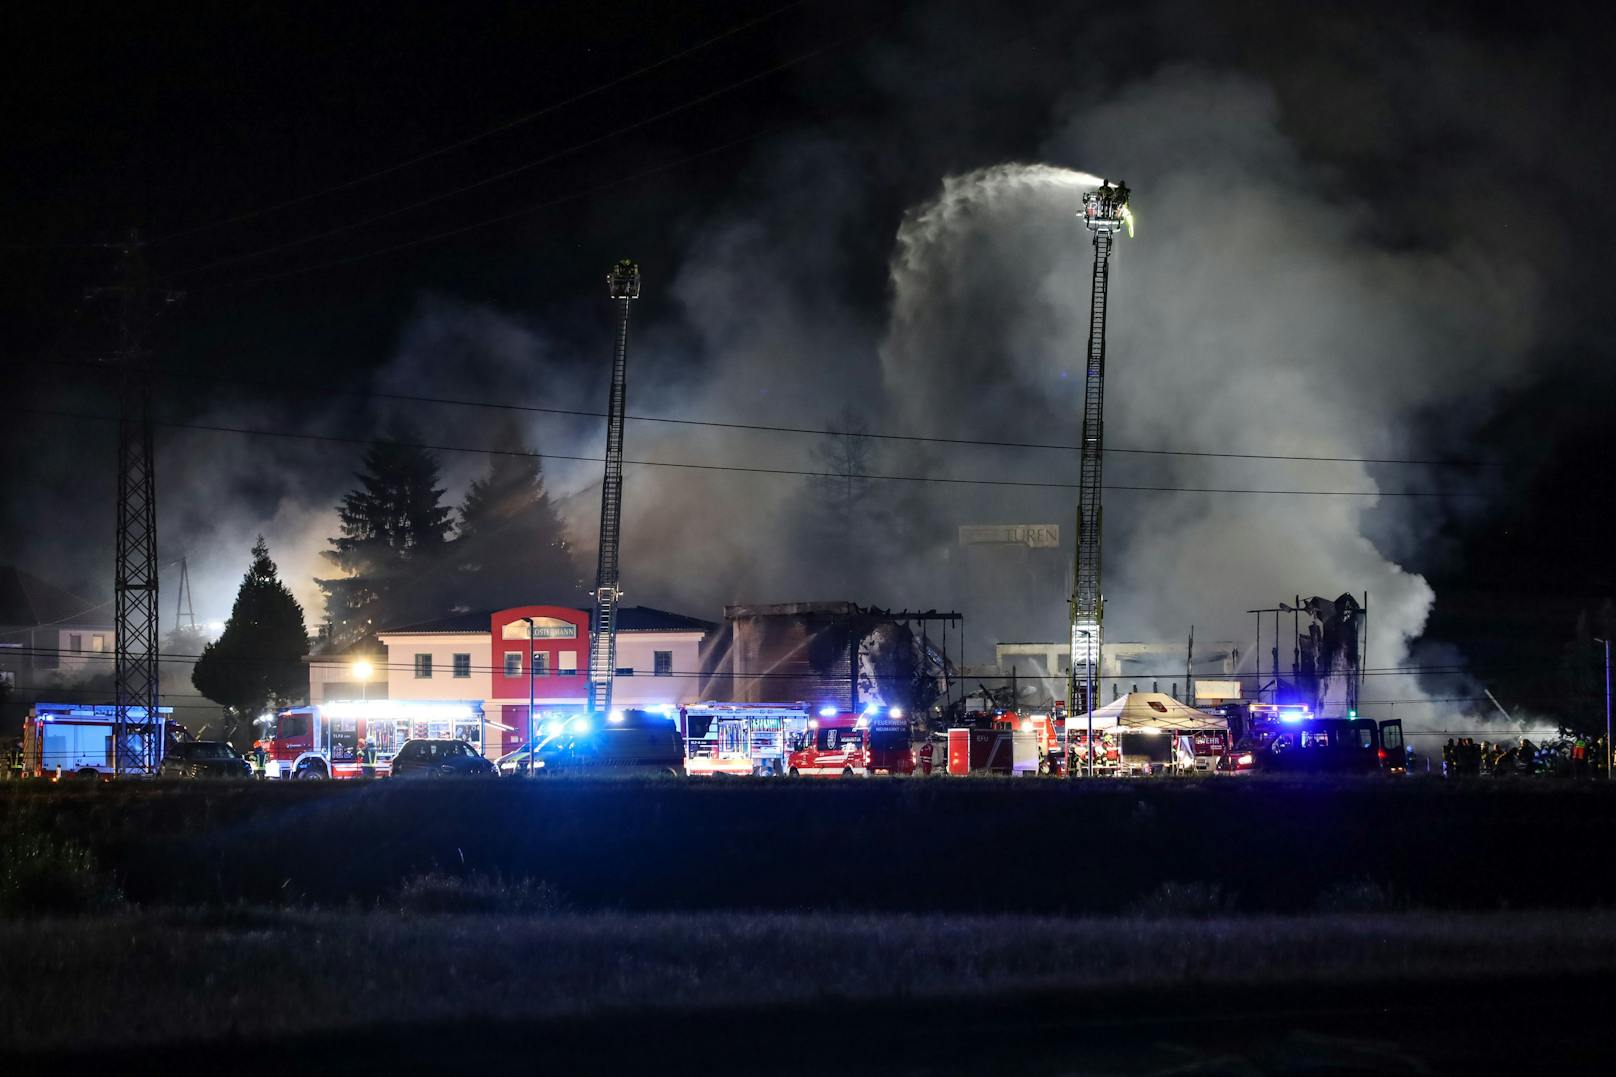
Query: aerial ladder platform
[[623, 286], [1105, 212]]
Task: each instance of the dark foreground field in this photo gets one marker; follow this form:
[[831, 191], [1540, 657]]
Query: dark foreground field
[[1031, 846], [735, 993], [880, 926]]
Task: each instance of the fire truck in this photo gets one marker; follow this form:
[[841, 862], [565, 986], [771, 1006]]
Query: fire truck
[[1002, 742], [841, 744], [359, 739], [740, 738], [75, 740]]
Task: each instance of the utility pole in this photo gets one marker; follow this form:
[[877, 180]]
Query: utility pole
[[184, 612], [1606, 642], [138, 732]]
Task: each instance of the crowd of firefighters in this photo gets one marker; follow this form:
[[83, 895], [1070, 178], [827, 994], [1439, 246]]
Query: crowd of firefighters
[[1582, 757]]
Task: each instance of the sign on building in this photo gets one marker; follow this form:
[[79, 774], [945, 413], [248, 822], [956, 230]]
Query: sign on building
[[1032, 536], [1217, 691]]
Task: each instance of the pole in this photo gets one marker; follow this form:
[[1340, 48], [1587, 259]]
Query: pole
[[532, 739], [1606, 642]]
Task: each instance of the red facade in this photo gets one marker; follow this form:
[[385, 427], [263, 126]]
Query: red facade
[[558, 662]]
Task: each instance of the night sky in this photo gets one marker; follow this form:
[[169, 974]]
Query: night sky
[[1464, 151]]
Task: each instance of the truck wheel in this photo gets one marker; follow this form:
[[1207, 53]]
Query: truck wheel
[[847, 772], [312, 774], [794, 773], [89, 774]]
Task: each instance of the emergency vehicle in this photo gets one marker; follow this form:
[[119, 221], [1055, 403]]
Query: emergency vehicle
[[1290, 738], [359, 739], [841, 744], [75, 740], [740, 738]]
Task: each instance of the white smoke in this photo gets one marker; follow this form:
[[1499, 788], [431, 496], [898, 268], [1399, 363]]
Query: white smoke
[[1253, 314]]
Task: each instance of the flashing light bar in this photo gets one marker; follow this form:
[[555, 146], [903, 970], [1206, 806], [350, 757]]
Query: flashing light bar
[[827, 712], [894, 712]]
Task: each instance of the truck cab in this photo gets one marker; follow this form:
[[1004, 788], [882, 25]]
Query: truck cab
[[841, 744]]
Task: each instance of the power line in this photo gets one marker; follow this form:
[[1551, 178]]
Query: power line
[[742, 469], [313, 389], [943, 68], [470, 140], [548, 158], [167, 656]]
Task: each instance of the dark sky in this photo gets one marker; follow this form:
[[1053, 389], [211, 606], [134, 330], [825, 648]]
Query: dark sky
[[1475, 131]]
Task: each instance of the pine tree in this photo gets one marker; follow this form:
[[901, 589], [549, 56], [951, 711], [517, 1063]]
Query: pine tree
[[513, 546], [256, 665], [395, 531]]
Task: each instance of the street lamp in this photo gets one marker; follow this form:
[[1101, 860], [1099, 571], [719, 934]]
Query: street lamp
[[1606, 642], [532, 742], [363, 669]]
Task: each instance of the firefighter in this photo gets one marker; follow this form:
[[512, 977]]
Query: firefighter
[[260, 758], [366, 755], [925, 757], [1579, 756], [1449, 758], [13, 760]]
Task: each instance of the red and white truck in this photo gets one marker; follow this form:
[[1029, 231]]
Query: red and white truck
[[841, 744]]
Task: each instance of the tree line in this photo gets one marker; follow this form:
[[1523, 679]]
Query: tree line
[[401, 556]]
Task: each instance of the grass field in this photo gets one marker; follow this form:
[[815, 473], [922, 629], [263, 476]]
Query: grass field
[[948, 846], [272, 976]]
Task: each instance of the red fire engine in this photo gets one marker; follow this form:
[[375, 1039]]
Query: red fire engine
[[841, 744], [359, 739]]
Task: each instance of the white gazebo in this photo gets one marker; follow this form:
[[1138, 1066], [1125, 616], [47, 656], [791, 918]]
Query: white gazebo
[[1156, 714]]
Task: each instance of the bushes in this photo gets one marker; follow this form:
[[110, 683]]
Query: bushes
[[42, 875], [1184, 899], [474, 892]]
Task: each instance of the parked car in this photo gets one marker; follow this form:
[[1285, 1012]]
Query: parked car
[[440, 759], [203, 759]]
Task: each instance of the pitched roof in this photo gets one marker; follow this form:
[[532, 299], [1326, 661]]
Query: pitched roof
[[629, 619], [28, 601]]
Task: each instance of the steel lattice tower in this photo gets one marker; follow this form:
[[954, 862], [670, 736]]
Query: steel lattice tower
[[623, 285], [139, 728], [1105, 212]]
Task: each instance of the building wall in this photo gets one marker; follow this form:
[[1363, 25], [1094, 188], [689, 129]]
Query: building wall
[[404, 669], [562, 649], [644, 688]]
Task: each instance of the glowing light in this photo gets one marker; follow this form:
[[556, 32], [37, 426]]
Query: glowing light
[[363, 669], [894, 712], [1245, 760], [813, 723], [552, 728], [871, 707], [827, 712], [615, 717], [1127, 218], [1026, 726], [579, 725]]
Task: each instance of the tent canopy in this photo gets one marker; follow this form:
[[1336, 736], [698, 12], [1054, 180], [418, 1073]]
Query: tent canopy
[[1139, 712]]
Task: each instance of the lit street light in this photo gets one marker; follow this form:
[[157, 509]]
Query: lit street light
[[362, 669]]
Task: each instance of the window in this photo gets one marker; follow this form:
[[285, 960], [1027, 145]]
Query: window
[[462, 666], [98, 642], [664, 663], [423, 666], [75, 642], [568, 661], [541, 663], [1391, 736], [292, 725], [625, 671], [513, 663], [1365, 740]]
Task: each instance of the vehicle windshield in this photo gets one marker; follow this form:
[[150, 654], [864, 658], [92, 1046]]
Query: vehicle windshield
[[205, 750]]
